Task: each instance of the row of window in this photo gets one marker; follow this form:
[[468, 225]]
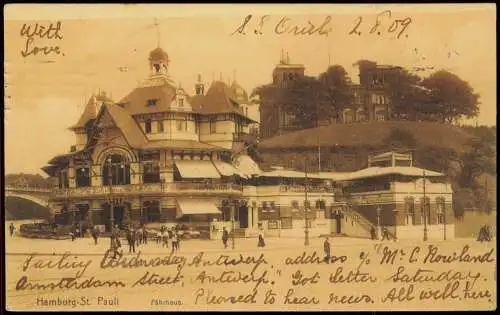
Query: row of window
[[425, 206], [154, 102], [319, 204], [182, 125]]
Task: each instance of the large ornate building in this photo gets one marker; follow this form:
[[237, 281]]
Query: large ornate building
[[369, 99], [162, 156]]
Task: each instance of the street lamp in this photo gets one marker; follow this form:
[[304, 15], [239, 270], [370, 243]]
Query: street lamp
[[233, 208], [111, 206], [425, 210], [378, 221], [306, 205]]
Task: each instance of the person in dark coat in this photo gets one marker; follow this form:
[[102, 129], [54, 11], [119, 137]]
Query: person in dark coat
[[261, 242], [327, 249], [385, 233], [144, 236], [225, 237], [11, 229], [373, 233], [131, 240]]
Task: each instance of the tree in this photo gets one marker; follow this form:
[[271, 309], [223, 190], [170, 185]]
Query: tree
[[450, 97], [405, 94], [476, 161], [334, 91]]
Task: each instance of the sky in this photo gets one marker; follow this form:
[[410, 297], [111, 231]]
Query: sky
[[106, 47]]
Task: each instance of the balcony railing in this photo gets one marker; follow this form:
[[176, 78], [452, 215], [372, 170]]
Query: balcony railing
[[146, 189], [301, 189]]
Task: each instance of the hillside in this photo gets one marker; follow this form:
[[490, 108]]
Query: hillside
[[371, 134]]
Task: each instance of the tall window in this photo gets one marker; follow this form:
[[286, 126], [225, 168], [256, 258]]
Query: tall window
[[181, 102], [440, 210], [151, 172], [213, 128], [82, 177], [116, 170], [425, 205], [181, 125], [148, 126], [152, 211], [410, 211], [63, 179], [160, 125]]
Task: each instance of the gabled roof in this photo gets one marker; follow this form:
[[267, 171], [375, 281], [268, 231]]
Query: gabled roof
[[91, 109], [128, 126]]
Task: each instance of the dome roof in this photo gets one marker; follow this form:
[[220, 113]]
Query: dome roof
[[158, 54]]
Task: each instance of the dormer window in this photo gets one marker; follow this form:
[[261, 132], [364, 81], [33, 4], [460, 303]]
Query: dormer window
[[151, 102], [181, 102]]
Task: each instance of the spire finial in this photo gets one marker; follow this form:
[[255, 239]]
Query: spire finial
[[157, 33]]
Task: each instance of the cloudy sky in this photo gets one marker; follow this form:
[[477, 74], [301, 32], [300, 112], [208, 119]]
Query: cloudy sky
[[106, 47]]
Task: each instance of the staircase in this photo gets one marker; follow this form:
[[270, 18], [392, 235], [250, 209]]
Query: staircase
[[362, 221]]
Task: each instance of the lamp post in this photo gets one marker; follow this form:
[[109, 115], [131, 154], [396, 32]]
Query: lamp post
[[233, 208], [111, 206], [425, 210], [378, 222], [306, 205]]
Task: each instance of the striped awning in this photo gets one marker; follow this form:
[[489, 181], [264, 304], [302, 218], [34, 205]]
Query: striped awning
[[191, 206], [196, 169], [226, 169]]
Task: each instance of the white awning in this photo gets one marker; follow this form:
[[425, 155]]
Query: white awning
[[247, 166], [197, 169], [226, 169], [190, 206]]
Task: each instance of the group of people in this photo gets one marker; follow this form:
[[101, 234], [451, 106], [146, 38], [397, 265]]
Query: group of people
[[484, 234], [164, 235], [385, 234]]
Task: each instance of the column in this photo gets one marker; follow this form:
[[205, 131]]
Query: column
[[249, 216], [71, 174], [96, 175], [135, 174]]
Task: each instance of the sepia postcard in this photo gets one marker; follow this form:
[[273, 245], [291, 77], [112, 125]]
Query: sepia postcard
[[250, 157]]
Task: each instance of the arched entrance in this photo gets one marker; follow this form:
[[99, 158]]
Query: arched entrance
[[116, 170]]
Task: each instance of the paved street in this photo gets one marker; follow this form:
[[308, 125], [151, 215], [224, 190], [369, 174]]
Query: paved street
[[195, 294]]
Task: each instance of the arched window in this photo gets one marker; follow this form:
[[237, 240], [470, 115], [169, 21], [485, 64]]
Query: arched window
[[410, 211], [116, 170]]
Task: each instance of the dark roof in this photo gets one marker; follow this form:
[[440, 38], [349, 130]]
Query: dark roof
[[128, 126], [219, 98], [90, 111], [372, 133], [158, 54], [136, 101]]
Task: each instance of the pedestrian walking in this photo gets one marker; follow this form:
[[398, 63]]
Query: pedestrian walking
[[138, 237], [144, 235], [385, 234], [225, 237], [11, 229], [159, 236], [131, 240], [96, 232], [326, 248], [175, 240], [261, 242], [165, 238]]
